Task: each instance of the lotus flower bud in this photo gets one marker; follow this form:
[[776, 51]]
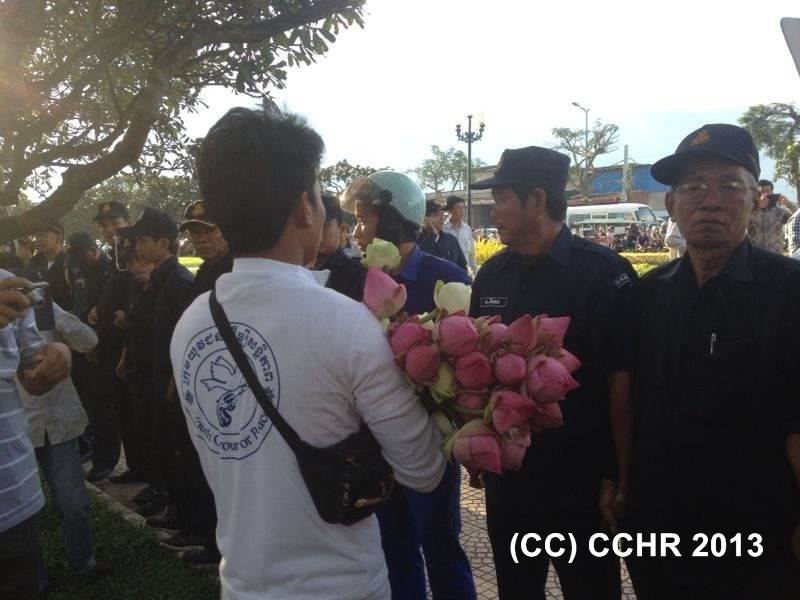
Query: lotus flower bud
[[510, 369], [548, 380], [422, 364], [474, 371], [456, 335], [453, 297], [382, 294], [381, 255]]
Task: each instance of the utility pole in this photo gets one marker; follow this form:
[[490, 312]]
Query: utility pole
[[625, 177], [585, 150]]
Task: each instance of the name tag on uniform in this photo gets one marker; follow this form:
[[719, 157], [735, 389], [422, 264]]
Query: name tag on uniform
[[494, 302]]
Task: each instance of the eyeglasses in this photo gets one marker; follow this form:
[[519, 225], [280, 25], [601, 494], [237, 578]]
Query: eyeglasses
[[729, 190]]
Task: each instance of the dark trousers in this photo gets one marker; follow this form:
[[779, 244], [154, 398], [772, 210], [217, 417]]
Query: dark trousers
[[19, 561], [587, 578], [432, 521], [93, 382], [136, 419], [774, 575], [197, 502]]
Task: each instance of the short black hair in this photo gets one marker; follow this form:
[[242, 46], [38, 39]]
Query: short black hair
[[333, 208], [555, 199], [766, 182], [252, 167], [453, 200]]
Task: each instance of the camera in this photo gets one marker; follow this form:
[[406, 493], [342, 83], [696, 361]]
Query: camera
[[36, 294]]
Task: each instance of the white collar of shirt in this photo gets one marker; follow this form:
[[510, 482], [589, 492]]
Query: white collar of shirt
[[267, 266], [450, 223]]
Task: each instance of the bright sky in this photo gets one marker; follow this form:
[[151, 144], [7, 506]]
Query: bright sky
[[384, 94]]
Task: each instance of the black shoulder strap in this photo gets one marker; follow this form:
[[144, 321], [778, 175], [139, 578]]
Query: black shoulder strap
[[224, 326]]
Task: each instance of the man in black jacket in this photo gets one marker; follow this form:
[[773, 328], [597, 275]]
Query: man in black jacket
[[347, 275], [155, 235], [208, 244], [48, 264], [437, 242]]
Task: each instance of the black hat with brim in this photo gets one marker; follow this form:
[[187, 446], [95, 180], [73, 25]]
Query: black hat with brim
[[531, 165], [716, 141], [153, 223], [112, 210]]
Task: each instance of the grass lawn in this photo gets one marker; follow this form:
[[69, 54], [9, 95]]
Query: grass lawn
[[142, 569]]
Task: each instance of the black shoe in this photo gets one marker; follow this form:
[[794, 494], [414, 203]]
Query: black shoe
[[200, 557], [126, 477], [96, 474], [166, 521], [181, 541], [149, 509], [145, 495]]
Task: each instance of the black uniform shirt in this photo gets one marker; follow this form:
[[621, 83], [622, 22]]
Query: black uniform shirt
[[347, 275], [591, 284], [55, 275], [141, 332], [716, 392], [444, 245], [114, 293], [172, 283], [209, 272]]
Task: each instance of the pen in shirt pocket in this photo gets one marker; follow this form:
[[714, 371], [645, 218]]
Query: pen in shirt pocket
[[712, 343]]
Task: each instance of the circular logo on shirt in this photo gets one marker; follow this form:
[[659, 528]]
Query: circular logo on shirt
[[222, 411]]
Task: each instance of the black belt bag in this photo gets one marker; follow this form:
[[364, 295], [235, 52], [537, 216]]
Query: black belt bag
[[347, 481]]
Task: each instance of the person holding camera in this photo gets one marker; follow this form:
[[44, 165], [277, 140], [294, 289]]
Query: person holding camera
[[38, 366], [770, 214], [322, 362]]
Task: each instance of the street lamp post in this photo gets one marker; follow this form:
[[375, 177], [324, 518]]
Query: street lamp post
[[586, 151], [470, 137]]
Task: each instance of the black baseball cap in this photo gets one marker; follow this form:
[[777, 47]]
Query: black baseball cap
[[153, 223], [532, 165], [432, 207], [717, 140], [79, 242], [197, 212], [112, 210]]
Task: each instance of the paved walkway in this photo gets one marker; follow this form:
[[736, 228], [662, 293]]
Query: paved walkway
[[474, 538]]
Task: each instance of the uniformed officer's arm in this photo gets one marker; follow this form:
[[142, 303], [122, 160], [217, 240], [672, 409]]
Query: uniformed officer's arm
[[387, 403]]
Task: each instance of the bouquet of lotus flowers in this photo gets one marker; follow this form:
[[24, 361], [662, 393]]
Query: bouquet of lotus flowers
[[488, 386]]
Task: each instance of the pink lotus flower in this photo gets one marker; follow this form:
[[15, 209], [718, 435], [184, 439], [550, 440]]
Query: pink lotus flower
[[548, 380], [382, 294], [521, 336], [492, 337], [471, 400], [478, 447], [474, 371], [422, 364], [548, 416], [552, 330], [513, 451], [509, 409], [569, 360], [510, 369], [407, 336], [456, 335]]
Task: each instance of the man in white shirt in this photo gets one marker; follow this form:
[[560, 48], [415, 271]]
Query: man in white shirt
[[323, 357], [55, 420], [456, 226]]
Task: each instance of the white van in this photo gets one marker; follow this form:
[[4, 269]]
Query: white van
[[618, 215]]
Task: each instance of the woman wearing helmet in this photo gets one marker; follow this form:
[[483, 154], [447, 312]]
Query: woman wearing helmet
[[390, 206]]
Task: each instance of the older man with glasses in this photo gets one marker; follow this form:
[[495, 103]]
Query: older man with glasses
[[716, 437]]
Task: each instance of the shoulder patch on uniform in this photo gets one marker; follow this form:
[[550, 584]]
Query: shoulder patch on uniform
[[622, 280]]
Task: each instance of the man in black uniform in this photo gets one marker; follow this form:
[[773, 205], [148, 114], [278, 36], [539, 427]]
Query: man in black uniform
[[437, 242], [347, 275], [546, 270], [201, 517], [114, 291], [48, 264], [156, 236], [208, 244], [716, 445], [91, 272]]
